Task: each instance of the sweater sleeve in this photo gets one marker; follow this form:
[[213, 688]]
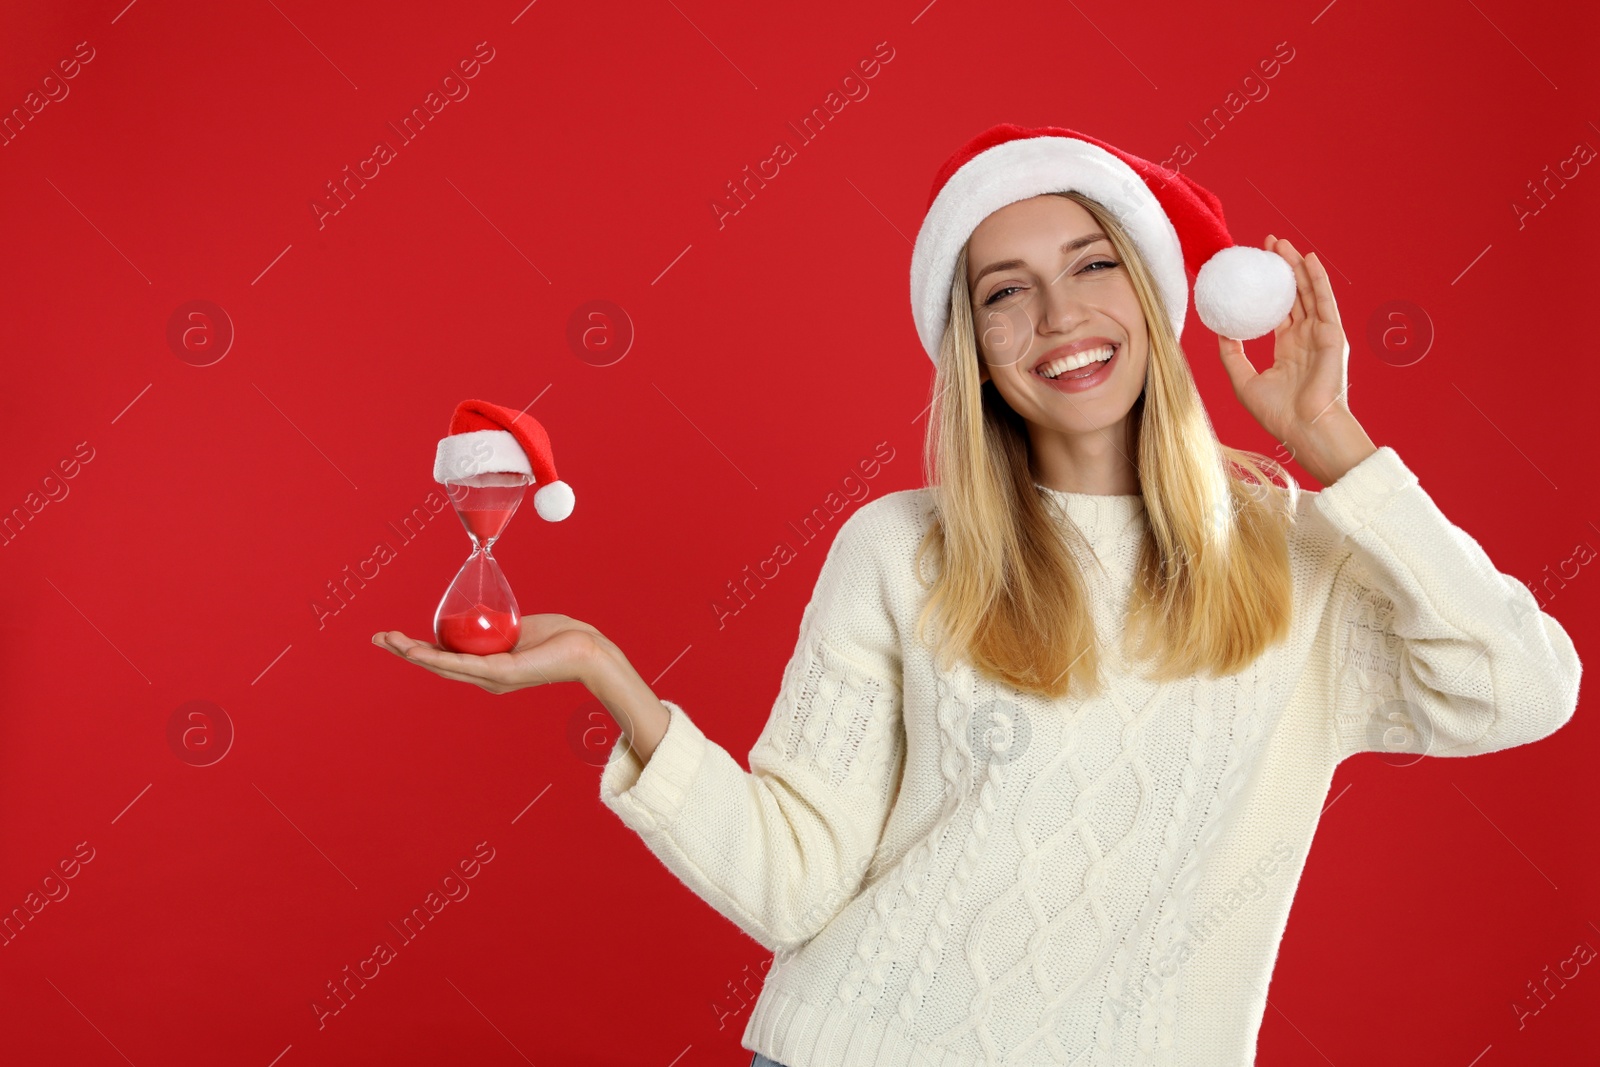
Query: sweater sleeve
[[779, 851], [1435, 651]]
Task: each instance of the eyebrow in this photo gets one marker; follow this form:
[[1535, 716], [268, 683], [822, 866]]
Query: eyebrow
[[1071, 246]]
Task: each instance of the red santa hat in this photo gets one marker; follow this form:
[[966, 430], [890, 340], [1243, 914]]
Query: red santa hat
[[486, 438], [1175, 223]]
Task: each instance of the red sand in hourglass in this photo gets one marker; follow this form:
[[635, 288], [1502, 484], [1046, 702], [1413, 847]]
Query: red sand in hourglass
[[479, 632]]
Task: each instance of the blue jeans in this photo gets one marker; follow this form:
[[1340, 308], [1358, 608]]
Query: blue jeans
[[761, 1061]]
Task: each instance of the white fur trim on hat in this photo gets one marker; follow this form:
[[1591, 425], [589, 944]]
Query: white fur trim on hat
[[462, 455], [1020, 169]]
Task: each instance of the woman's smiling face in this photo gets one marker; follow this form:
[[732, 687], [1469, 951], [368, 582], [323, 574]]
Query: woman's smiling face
[[1044, 277]]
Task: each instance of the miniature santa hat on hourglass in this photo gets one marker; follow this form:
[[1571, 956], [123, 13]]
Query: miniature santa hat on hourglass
[[486, 438]]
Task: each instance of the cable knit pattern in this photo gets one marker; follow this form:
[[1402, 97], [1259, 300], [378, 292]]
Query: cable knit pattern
[[944, 914], [828, 718], [880, 940], [955, 873], [955, 765]]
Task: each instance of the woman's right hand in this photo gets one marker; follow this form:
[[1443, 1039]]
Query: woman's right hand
[[551, 648]]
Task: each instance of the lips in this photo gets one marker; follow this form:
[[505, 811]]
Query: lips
[[1071, 349], [1077, 365], [1083, 378]]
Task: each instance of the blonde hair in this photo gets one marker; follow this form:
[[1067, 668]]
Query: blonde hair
[[1212, 588]]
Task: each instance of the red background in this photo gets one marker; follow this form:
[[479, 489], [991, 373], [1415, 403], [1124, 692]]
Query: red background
[[771, 356]]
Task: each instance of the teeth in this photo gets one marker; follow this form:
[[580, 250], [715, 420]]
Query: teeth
[[1056, 368]]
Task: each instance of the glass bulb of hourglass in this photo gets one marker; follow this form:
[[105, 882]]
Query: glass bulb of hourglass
[[478, 615]]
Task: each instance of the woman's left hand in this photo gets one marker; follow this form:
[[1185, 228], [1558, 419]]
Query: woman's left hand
[[1301, 399]]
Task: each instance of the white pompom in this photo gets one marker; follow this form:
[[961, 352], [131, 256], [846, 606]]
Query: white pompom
[[1243, 292], [553, 502]]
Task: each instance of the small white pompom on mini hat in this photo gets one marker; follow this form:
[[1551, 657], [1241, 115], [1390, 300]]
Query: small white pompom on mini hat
[[486, 438], [1177, 225]]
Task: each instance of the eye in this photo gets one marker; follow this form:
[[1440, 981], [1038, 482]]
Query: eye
[[1106, 263]]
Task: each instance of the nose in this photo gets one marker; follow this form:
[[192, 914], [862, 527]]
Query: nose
[[1059, 308]]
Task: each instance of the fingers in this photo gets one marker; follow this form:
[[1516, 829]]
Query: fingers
[[445, 664], [452, 664], [1238, 366], [428, 656], [1304, 298], [1313, 288], [444, 672], [497, 673], [1322, 288], [386, 641], [420, 652]]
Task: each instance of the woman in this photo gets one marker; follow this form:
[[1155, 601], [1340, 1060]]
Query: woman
[[1049, 753]]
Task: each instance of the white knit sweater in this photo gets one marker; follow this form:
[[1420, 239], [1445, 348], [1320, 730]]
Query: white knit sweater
[[953, 873]]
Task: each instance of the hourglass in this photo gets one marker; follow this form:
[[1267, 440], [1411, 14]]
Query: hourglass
[[486, 462], [478, 614]]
